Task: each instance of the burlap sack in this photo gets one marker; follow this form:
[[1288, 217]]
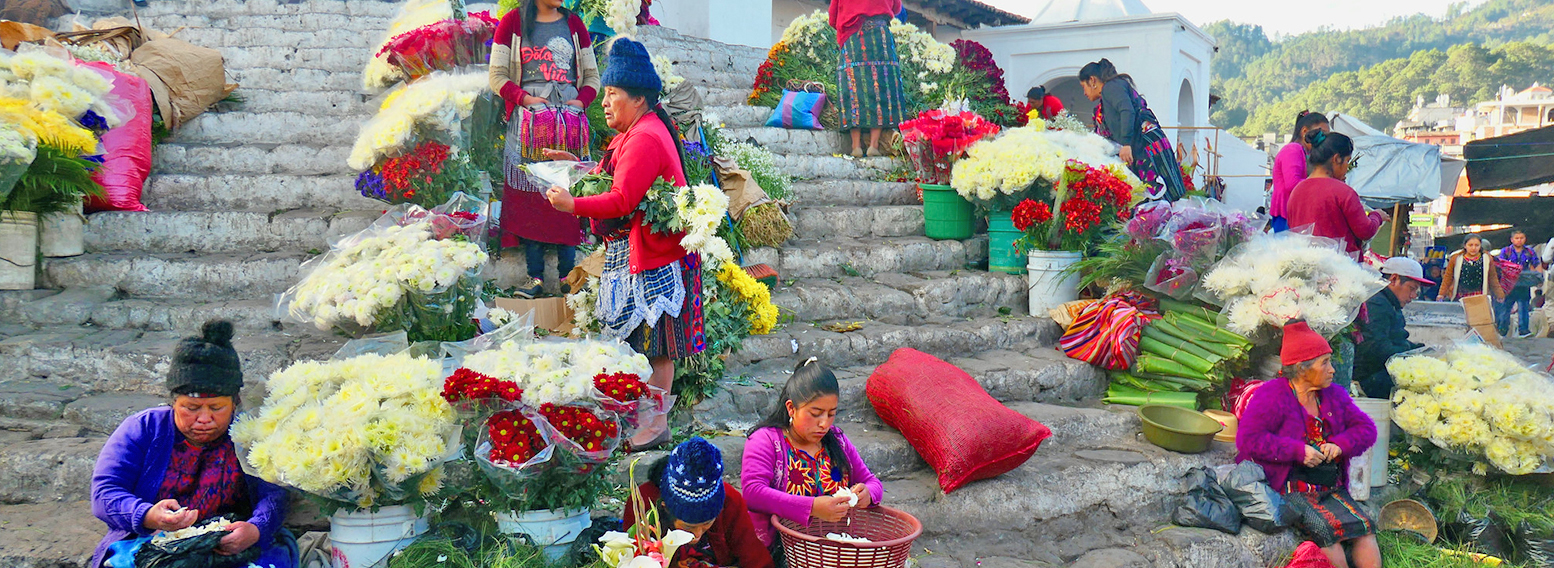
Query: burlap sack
[[185, 78], [16, 33], [31, 12], [743, 193], [593, 266]]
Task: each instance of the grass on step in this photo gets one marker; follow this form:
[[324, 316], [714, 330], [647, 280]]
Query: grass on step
[[1407, 550]]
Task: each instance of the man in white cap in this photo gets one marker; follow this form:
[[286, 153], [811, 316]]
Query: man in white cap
[[1383, 329]]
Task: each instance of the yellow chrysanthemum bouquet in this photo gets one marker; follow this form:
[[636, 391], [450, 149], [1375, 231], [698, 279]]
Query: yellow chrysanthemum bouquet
[[1476, 402], [363, 431]]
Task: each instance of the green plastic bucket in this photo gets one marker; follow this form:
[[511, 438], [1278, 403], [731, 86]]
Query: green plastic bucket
[[946, 215], [1001, 236]]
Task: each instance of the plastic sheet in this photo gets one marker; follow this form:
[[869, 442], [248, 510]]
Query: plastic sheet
[[1261, 507], [1488, 534], [1536, 546], [1172, 276], [1206, 504], [1271, 279], [559, 173], [193, 552]]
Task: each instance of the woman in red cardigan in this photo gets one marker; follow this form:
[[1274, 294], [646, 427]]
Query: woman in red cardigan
[[650, 293]]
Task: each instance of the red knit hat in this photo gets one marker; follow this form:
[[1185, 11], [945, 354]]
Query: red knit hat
[[1301, 344]]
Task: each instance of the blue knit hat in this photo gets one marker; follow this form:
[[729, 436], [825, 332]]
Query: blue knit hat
[[692, 487], [629, 67]]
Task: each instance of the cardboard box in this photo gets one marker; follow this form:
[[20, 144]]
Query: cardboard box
[[550, 314], [1481, 317]]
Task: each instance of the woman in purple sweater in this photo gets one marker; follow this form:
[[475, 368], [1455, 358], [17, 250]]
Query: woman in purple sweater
[[167, 469], [1304, 430], [797, 460]]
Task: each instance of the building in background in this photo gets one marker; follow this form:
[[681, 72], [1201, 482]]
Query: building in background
[[759, 23], [1511, 112], [1433, 123]]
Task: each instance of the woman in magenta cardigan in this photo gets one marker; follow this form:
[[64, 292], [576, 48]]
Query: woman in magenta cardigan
[[1289, 167], [1303, 430], [650, 292], [796, 460], [1327, 204]]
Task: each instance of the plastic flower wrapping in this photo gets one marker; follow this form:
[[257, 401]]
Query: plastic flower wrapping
[[1086, 200], [54, 82], [1199, 233], [1272, 279], [433, 108], [379, 74], [1477, 401], [413, 270], [1007, 167], [361, 431], [442, 45]]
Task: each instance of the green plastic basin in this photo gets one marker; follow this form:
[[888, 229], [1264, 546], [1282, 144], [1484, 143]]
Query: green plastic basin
[[1178, 429]]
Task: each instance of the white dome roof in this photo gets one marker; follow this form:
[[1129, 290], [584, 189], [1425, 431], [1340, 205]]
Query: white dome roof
[[1059, 11]]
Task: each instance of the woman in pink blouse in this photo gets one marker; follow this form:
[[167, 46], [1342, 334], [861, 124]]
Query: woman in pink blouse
[[1289, 167]]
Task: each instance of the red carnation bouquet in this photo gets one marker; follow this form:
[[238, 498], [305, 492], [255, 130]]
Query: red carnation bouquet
[[628, 396], [935, 139], [515, 439], [1086, 201]]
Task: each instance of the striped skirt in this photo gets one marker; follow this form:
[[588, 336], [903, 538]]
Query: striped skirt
[[1157, 165], [658, 312], [868, 79]]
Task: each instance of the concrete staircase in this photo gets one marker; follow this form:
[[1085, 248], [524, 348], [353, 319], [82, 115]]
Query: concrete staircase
[[242, 196]]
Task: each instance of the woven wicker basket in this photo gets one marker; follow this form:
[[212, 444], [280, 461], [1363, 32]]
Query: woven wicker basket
[[890, 531]]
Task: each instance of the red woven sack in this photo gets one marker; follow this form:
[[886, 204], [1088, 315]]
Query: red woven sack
[[1308, 555], [959, 430]]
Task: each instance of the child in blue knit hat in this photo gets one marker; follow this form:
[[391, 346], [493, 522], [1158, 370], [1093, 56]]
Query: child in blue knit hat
[[688, 491]]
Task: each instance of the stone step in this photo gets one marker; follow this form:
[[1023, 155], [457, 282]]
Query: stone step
[[206, 277], [1033, 380], [843, 256], [96, 360], [222, 9], [295, 83], [222, 231], [283, 159], [100, 306], [723, 95], [903, 298], [854, 192], [326, 31], [345, 104], [49, 535], [874, 341], [246, 127], [48, 470], [795, 143], [826, 221], [834, 167], [738, 116], [260, 192], [329, 59]]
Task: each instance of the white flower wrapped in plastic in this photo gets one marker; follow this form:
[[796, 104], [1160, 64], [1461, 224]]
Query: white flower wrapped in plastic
[[364, 431], [1273, 278], [556, 372], [438, 102], [384, 279], [1482, 403]]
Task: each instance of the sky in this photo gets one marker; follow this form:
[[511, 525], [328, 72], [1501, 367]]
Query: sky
[[1276, 18]]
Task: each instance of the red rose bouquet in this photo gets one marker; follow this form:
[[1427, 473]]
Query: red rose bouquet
[[935, 139]]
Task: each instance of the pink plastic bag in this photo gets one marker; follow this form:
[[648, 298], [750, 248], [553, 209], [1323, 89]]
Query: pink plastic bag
[[126, 149]]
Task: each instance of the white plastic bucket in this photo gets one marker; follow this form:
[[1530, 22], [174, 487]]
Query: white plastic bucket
[[554, 531], [1049, 286], [18, 250], [360, 538], [62, 234], [1380, 411]]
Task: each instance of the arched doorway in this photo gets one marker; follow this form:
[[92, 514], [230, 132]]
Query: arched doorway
[[1186, 112], [1067, 89]]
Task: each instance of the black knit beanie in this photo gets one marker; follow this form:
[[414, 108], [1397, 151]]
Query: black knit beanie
[[207, 364]]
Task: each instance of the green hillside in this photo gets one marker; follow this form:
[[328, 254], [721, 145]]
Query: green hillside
[[1376, 73]]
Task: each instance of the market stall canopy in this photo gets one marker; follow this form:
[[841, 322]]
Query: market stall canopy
[[1391, 170], [1532, 214], [1513, 161]]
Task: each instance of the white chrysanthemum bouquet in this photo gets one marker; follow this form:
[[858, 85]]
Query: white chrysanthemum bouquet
[[1272, 279], [412, 270], [999, 173], [1480, 401], [366, 431]]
